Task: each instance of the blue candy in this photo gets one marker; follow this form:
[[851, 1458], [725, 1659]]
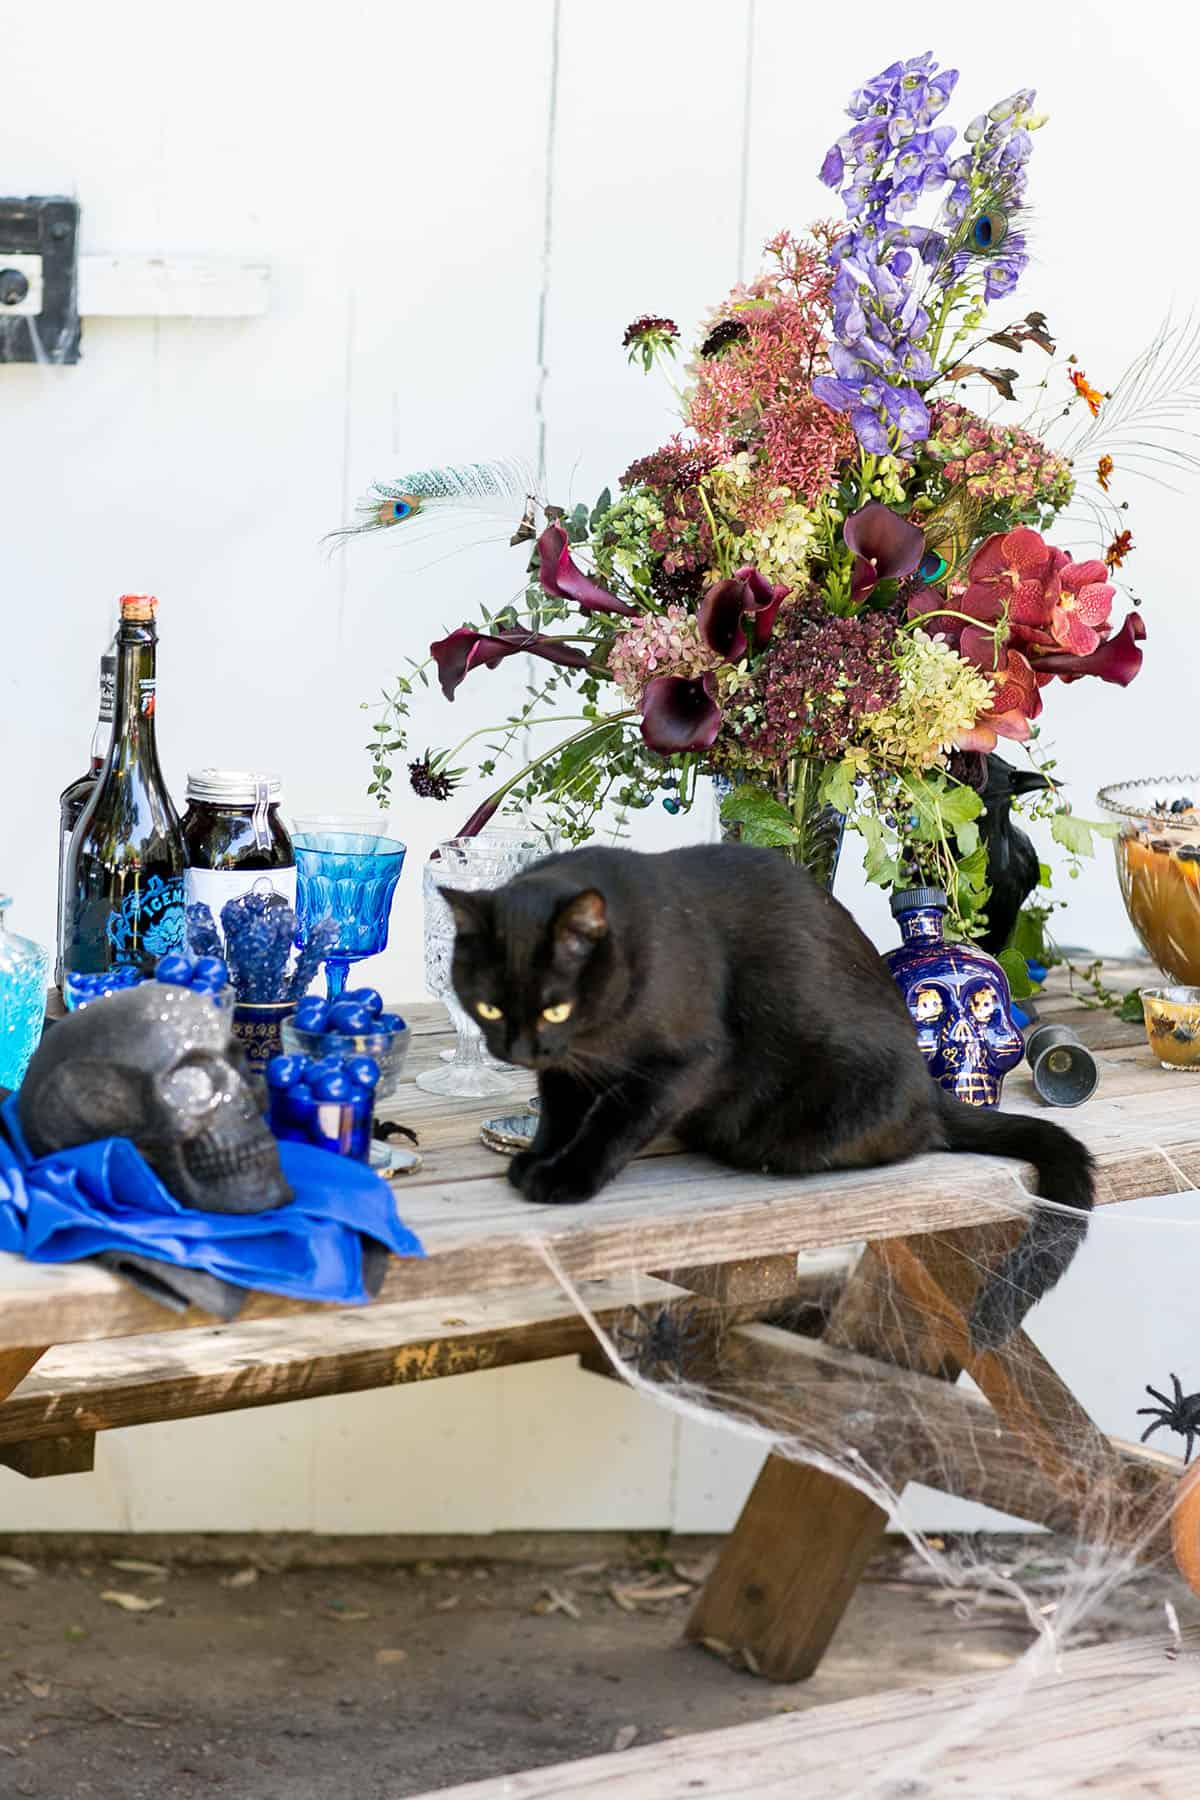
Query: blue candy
[[321, 1066], [349, 1019], [331, 1084], [175, 969], [310, 1014], [362, 1069], [368, 997], [389, 1022], [286, 1071], [210, 969]]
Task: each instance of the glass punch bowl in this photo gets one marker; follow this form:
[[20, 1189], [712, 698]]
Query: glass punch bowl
[[1158, 864]]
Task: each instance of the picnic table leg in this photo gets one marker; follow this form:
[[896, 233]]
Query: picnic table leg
[[787, 1573]]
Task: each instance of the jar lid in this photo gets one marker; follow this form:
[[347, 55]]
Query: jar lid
[[233, 787], [910, 899]]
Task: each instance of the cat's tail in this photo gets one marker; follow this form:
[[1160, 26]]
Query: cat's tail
[[1041, 1255]]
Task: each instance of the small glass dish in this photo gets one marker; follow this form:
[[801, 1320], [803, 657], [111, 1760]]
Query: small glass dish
[[389, 1048], [1173, 1025]]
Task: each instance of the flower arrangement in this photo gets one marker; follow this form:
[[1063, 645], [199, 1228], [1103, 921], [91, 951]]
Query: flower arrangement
[[839, 583]]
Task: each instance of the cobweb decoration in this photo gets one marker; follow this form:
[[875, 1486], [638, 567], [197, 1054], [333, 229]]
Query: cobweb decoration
[[860, 1374]]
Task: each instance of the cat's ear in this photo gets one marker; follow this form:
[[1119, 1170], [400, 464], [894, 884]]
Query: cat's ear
[[471, 909], [580, 924]]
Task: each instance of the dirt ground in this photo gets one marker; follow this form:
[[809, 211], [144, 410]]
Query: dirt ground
[[283, 1669]]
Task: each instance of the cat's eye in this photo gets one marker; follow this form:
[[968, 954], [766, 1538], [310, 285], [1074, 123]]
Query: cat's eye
[[487, 1011], [557, 1015]]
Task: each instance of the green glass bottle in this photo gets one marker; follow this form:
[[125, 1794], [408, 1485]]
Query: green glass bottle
[[125, 866]]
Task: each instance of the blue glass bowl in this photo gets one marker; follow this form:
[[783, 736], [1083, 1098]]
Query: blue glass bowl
[[349, 876]]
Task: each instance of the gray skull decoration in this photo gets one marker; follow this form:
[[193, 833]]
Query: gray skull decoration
[[153, 1065]]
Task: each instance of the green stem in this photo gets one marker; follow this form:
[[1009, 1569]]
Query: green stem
[[594, 727], [522, 725]]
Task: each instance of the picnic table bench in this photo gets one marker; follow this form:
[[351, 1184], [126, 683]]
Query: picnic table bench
[[81, 1352], [1121, 1720]]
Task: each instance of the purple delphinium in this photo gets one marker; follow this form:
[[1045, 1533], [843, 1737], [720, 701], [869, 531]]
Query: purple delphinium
[[988, 183], [892, 155]]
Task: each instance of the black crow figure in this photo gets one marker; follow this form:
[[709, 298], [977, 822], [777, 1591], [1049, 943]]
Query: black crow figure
[[1012, 861]]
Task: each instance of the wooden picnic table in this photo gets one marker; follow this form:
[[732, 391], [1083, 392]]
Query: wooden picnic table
[[81, 1352]]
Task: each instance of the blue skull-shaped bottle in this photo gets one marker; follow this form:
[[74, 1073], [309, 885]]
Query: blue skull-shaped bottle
[[959, 1001]]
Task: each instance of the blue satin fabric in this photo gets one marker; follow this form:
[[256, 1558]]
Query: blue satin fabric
[[104, 1196]]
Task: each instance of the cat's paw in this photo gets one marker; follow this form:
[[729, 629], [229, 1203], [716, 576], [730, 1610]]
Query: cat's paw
[[558, 1182]]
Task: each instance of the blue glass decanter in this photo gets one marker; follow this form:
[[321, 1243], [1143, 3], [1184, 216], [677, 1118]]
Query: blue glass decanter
[[958, 998], [24, 976]]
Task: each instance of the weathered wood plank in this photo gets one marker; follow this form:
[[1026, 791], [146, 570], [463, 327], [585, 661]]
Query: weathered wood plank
[[184, 1375], [73, 1454], [904, 1426], [1119, 1720]]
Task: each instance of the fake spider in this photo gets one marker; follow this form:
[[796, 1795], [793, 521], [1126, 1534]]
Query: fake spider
[[665, 1338], [1180, 1415]]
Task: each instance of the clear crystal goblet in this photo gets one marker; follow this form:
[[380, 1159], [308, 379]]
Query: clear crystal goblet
[[485, 861]]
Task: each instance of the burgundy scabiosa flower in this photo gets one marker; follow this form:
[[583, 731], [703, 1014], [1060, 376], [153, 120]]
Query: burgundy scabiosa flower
[[680, 714], [648, 337], [429, 782], [739, 613], [563, 581], [467, 649]]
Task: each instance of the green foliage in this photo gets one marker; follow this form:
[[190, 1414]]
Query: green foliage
[[763, 819], [1076, 835], [1013, 964]]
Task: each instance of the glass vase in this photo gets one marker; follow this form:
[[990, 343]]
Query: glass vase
[[24, 977], [819, 826]]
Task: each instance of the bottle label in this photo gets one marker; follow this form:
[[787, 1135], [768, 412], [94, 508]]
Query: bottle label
[[214, 887], [149, 923]]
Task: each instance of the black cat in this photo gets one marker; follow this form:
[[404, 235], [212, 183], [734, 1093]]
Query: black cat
[[719, 994]]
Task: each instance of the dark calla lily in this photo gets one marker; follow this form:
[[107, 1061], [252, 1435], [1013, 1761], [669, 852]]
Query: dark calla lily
[[560, 577], [466, 649], [679, 714], [483, 815], [739, 611], [885, 546], [1117, 659]]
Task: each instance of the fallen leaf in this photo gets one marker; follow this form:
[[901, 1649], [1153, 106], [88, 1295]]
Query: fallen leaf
[[346, 1615], [454, 1321], [716, 1646], [553, 1600], [12, 1565], [131, 1603], [617, 1594], [750, 1660], [669, 1591], [693, 1572], [129, 1565], [448, 1604], [39, 1689], [624, 1737], [425, 1569], [75, 1634], [386, 1657], [241, 1578], [596, 1568]]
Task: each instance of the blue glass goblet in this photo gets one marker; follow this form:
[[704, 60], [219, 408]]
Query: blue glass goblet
[[346, 869]]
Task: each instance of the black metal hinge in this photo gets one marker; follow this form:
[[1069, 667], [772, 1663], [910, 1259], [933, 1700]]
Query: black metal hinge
[[39, 280]]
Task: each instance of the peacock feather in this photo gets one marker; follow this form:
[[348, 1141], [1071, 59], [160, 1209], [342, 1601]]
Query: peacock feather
[[950, 531], [491, 487]]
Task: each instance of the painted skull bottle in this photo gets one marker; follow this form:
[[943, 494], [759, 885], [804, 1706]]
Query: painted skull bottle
[[125, 867]]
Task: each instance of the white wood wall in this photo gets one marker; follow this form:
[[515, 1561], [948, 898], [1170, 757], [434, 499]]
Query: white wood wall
[[390, 163]]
